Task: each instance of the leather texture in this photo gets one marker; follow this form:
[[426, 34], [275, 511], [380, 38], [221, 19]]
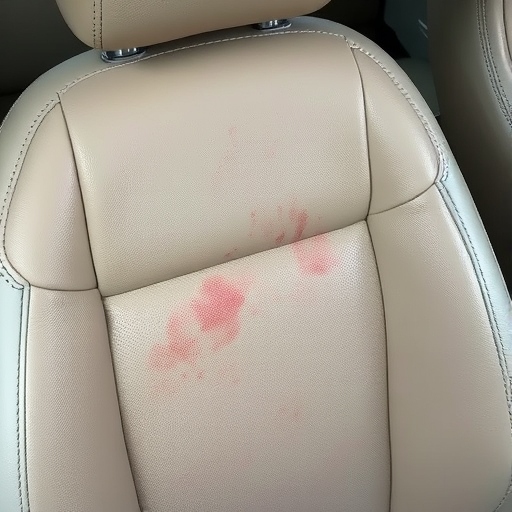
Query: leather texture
[[301, 305], [470, 55], [276, 416], [76, 455], [115, 24]]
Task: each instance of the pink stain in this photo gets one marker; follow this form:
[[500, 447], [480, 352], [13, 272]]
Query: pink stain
[[230, 157], [233, 135], [299, 218], [280, 238], [218, 309], [292, 412], [200, 374], [314, 255], [231, 254], [181, 348], [254, 222]]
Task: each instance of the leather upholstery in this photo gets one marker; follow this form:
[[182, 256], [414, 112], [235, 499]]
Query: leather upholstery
[[114, 24], [278, 294], [470, 54]]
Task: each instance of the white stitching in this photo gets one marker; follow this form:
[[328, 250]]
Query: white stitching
[[51, 103], [13, 179], [442, 159], [478, 272], [492, 69], [496, 331], [443, 163]]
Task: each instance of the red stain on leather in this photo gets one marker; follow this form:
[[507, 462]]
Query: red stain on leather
[[200, 374], [314, 255], [299, 218], [218, 309], [231, 157], [231, 254], [275, 227], [280, 238], [180, 348], [292, 412]]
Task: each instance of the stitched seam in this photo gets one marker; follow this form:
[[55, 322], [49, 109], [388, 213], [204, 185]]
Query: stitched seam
[[198, 45], [497, 337], [490, 63], [497, 77], [79, 183], [101, 24], [363, 93], [443, 164], [18, 409], [13, 178], [25, 394], [208, 43], [94, 23], [51, 103], [387, 358]]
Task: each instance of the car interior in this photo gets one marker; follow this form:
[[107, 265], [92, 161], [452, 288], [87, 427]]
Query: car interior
[[255, 256]]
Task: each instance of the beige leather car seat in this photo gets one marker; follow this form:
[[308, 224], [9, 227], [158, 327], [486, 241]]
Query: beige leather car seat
[[241, 271], [470, 53]]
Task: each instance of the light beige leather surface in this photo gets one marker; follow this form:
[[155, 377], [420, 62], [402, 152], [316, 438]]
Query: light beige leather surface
[[423, 364], [470, 55], [286, 413], [302, 306], [50, 249], [76, 456], [114, 24], [241, 147]]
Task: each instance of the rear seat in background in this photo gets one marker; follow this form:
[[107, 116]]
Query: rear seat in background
[[33, 39]]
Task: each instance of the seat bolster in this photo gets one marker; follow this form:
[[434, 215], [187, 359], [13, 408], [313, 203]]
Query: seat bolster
[[470, 55], [13, 331]]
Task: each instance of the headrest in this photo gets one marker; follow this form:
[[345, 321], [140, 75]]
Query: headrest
[[119, 24]]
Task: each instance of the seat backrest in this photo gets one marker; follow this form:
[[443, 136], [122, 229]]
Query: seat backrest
[[242, 272], [470, 50]]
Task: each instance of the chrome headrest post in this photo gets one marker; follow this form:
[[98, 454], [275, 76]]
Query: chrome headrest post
[[122, 55], [273, 24]]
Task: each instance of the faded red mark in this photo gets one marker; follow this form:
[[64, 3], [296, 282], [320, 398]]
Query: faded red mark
[[314, 255], [200, 375], [164, 388], [280, 237], [299, 218], [291, 412], [255, 311], [275, 227], [230, 157], [233, 132], [229, 375], [218, 309], [246, 460], [181, 347], [231, 254]]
